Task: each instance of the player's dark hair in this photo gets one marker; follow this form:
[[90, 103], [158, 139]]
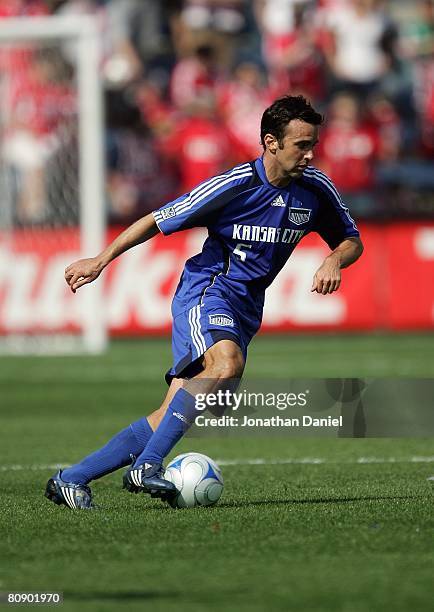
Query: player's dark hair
[[283, 110]]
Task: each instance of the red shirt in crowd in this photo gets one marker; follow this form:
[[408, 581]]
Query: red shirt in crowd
[[191, 79], [348, 156], [241, 107], [17, 58], [40, 106], [201, 148]]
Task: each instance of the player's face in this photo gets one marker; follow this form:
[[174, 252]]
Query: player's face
[[295, 151]]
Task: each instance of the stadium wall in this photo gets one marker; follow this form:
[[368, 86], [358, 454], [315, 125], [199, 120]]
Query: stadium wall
[[390, 288]]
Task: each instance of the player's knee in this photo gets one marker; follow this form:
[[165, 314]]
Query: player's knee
[[232, 367], [225, 361]]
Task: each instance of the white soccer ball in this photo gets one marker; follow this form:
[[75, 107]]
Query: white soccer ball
[[198, 479]]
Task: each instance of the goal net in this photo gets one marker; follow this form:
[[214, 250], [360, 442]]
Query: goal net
[[51, 183]]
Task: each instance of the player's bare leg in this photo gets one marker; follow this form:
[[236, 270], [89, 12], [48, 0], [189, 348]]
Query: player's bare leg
[[221, 363], [155, 417]]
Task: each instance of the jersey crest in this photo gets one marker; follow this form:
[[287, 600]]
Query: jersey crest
[[299, 216]]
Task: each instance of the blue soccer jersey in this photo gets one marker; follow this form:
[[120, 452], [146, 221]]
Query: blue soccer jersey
[[253, 227]]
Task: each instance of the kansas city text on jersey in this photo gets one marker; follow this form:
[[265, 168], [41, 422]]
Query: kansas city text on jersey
[[256, 233]]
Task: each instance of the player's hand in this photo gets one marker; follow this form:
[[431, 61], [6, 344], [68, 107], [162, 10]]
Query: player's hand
[[328, 276], [82, 272]]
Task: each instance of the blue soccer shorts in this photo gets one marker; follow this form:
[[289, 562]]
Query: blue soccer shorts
[[195, 330]]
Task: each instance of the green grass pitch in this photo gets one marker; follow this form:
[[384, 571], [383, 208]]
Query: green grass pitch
[[340, 535]]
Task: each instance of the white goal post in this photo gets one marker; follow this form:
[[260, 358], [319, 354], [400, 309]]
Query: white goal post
[[78, 145]]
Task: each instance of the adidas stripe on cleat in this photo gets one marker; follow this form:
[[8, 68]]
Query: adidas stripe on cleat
[[75, 496], [136, 478], [148, 478]]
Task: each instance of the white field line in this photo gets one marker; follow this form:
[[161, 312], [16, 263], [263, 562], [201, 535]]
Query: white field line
[[235, 462]]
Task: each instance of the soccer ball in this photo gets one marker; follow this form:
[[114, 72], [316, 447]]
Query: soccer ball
[[197, 478]]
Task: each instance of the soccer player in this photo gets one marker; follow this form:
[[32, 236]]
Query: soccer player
[[256, 214]]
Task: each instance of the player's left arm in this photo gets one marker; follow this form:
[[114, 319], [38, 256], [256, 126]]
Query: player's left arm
[[327, 278]]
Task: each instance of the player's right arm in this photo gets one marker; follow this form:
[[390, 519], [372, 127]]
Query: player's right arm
[[189, 210], [85, 271]]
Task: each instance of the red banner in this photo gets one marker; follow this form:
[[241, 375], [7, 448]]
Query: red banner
[[409, 299], [390, 287]]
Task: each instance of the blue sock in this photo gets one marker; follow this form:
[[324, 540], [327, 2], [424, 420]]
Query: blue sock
[[114, 455], [178, 418]]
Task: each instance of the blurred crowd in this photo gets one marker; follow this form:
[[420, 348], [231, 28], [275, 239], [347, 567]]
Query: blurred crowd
[[186, 82]]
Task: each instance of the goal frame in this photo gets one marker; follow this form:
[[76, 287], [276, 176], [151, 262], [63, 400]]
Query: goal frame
[[82, 29]]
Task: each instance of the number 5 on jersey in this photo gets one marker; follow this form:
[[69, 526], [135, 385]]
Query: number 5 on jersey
[[239, 252]]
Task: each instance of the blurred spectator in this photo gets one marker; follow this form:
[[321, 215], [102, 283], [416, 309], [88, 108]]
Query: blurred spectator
[[140, 21], [157, 112], [385, 119], [194, 77], [242, 101], [418, 44], [216, 22], [359, 49], [199, 144], [220, 15], [417, 36], [15, 59], [424, 98], [120, 63], [303, 61], [276, 21], [138, 180], [349, 151], [41, 103]]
